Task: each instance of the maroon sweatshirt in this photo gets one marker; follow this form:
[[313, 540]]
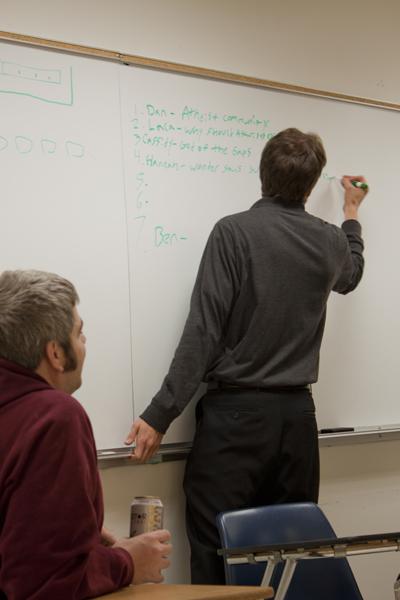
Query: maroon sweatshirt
[[51, 503]]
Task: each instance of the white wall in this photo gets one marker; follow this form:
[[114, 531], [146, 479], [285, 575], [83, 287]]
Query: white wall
[[121, 484], [349, 46], [360, 494]]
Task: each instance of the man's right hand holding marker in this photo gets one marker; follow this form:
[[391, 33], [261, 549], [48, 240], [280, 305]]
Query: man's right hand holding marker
[[354, 194]]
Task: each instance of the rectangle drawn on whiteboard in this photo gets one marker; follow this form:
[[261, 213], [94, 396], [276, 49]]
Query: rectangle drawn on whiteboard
[[49, 85]]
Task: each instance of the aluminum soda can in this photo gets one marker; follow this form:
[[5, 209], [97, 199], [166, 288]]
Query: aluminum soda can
[[147, 514]]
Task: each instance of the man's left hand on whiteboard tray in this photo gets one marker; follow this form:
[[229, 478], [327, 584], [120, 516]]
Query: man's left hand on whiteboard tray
[[145, 438]]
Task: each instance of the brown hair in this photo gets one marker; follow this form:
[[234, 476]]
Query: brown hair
[[35, 307], [291, 164]]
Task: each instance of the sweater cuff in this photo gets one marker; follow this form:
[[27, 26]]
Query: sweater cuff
[[129, 570], [156, 418], [352, 226]]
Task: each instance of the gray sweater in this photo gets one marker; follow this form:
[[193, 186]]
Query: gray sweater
[[258, 307]]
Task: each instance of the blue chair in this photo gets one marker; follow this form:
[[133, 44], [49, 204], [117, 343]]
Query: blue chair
[[315, 579]]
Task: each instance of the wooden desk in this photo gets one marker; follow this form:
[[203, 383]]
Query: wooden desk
[[161, 591]]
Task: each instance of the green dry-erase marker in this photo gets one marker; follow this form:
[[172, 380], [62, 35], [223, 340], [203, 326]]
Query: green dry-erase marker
[[360, 184]]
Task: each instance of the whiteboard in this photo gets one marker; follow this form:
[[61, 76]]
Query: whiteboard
[[114, 175], [63, 208]]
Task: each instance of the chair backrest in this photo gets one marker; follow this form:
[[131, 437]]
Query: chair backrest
[[319, 579]]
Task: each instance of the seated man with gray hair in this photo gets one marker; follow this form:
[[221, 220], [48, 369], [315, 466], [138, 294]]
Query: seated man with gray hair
[[52, 541]]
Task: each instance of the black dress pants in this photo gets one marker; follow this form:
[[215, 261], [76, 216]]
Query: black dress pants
[[251, 448]]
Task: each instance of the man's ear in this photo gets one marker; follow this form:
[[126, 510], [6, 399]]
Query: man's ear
[[55, 355]]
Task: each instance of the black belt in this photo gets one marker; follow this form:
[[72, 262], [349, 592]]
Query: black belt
[[221, 385]]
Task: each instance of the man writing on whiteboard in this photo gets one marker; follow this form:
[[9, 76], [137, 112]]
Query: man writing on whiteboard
[[254, 333], [52, 541]]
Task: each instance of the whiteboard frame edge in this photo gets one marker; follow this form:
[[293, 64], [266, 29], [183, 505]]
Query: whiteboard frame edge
[[180, 451], [153, 63]]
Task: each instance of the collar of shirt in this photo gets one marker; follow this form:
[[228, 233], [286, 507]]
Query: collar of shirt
[[277, 201]]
